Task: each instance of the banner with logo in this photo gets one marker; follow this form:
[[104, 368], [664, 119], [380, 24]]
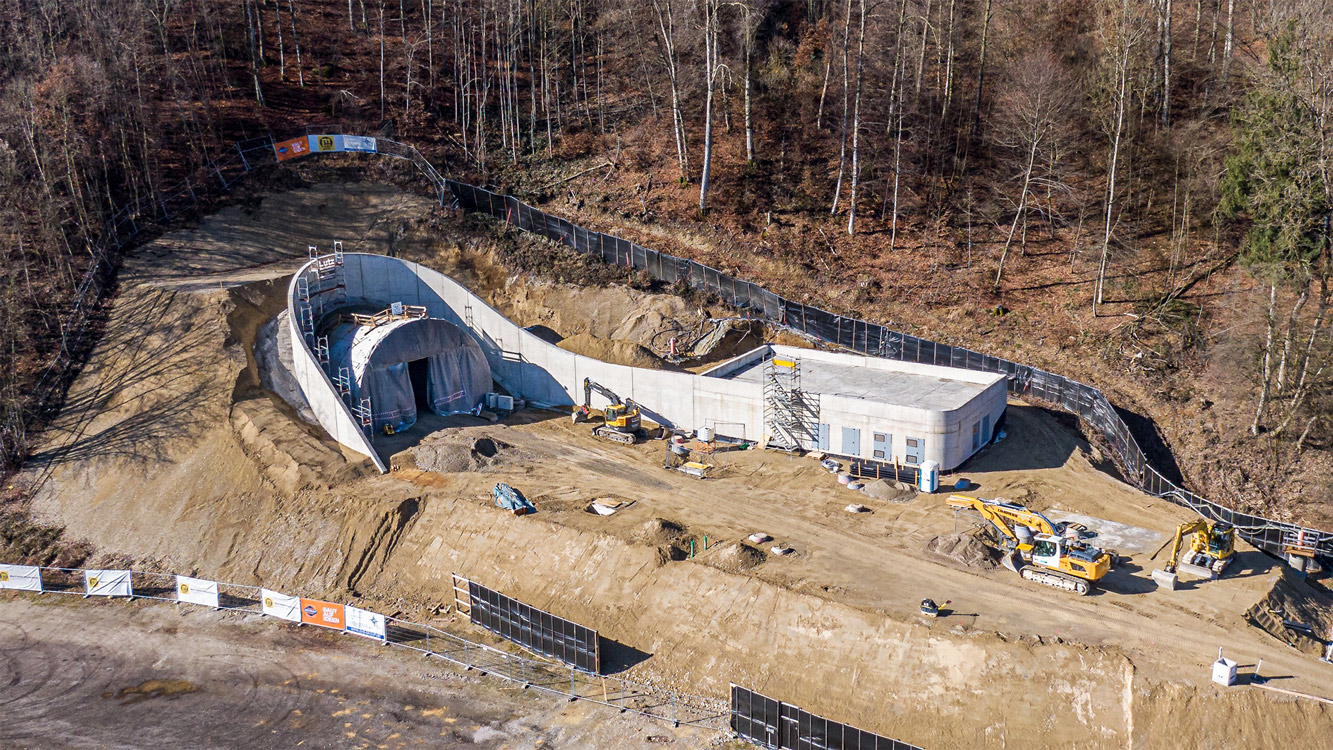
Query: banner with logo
[[107, 583], [364, 622], [197, 591], [326, 143], [292, 149], [21, 577], [324, 614], [280, 605]]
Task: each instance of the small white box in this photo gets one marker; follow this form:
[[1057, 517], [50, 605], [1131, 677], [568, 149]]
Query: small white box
[[1224, 672]]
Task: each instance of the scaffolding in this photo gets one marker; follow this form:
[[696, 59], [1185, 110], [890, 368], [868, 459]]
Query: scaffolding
[[790, 414]]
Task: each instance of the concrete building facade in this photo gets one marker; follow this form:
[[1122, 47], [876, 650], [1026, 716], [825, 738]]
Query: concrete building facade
[[867, 407]]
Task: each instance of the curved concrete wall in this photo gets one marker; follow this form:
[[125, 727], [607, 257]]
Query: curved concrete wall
[[319, 391], [546, 375]]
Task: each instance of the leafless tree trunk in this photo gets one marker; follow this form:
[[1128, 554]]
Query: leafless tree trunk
[[710, 73], [1167, 10], [666, 27], [981, 69], [1121, 40], [846, 104], [856, 123], [291, 17], [1265, 372]]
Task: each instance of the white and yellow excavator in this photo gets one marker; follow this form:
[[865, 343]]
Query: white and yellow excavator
[[1035, 548], [1212, 548]]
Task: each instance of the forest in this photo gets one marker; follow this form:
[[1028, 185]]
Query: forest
[[1137, 193]]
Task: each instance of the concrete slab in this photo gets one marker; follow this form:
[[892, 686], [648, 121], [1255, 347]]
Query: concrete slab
[[1111, 535], [874, 384]]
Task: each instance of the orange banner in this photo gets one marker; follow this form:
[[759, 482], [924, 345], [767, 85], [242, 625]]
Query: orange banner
[[326, 614], [292, 149]]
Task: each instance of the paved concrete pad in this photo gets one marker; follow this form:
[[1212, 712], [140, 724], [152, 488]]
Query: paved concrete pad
[[1109, 534]]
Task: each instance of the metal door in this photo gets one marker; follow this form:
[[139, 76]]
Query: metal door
[[851, 441], [883, 446], [822, 438], [976, 436], [912, 451], [985, 429]]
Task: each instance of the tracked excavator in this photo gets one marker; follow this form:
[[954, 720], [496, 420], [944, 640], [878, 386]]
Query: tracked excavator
[[1035, 548], [1212, 548], [621, 419]]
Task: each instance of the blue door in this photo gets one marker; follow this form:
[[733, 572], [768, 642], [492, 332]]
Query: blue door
[[985, 429], [976, 436], [851, 441], [822, 438], [883, 446]]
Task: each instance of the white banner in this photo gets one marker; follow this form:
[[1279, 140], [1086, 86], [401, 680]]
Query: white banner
[[106, 583], [364, 144], [365, 623], [280, 605], [21, 577], [197, 591]]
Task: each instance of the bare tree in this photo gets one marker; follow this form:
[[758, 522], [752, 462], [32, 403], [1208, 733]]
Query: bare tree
[[856, 122]]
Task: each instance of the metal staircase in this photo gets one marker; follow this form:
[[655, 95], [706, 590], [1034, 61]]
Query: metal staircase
[[790, 414]]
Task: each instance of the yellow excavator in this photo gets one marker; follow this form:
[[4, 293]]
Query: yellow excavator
[[621, 420], [1036, 549], [1212, 548]]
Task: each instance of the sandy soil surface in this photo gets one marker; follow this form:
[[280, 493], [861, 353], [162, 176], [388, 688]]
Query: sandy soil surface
[[77, 674], [172, 451]]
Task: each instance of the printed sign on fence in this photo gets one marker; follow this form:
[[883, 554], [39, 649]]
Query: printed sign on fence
[[280, 605], [324, 614], [197, 591], [291, 149], [361, 143], [21, 577], [366, 623], [107, 583], [320, 143]]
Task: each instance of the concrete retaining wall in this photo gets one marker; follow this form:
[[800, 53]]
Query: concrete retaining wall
[[547, 375]]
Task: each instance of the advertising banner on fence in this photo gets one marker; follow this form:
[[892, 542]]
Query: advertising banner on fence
[[331, 143], [292, 149], [107, 583], [363, 622], [197, 591], [21, 577], [324, 614], [280, 605]]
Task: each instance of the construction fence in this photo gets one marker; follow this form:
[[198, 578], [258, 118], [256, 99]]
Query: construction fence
[[678, 709], [852, 334]]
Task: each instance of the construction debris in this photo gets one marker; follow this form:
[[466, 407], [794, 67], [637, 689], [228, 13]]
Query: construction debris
[[512, 500], [759, 537]]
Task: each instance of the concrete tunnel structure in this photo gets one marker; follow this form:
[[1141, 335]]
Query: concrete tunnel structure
[[850, 405]]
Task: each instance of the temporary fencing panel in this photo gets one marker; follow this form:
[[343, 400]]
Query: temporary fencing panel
[[280, 605], [535, 629], [197, 591], [775, 724], [323, 614], [365, 623], [21, 577], [107, 583], [291, 149]]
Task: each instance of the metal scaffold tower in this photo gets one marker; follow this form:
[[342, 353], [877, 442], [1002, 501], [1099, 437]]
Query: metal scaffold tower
[[321, 288], [789, 413]]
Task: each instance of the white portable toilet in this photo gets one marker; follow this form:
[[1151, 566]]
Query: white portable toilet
[[928, 479], [1224, 670]]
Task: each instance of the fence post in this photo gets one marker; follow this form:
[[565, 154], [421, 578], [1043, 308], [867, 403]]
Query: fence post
[[573, 695]]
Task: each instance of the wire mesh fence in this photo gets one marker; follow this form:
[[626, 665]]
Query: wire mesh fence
[[676, 708]]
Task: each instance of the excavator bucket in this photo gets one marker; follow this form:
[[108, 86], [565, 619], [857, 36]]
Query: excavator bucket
[[1201, 571], [1164, 580], [1013, 561]]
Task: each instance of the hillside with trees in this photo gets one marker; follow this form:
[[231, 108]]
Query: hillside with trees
[[1137, 193]]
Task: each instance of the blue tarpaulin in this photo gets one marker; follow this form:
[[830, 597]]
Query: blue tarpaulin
[[511, 499]]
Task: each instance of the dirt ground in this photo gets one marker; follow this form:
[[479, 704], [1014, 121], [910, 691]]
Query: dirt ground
[[171, 452], [77, 674]]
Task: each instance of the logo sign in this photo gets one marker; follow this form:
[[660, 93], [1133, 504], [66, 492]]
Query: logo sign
[[279, 605], [323, 143], [197, 591], [323, 614], [365, 623], [107, 583], [21, 577], [291, 149]]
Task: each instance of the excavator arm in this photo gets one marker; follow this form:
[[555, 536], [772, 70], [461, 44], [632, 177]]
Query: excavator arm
[[1182, 531], [589, 385], [1005, 517]]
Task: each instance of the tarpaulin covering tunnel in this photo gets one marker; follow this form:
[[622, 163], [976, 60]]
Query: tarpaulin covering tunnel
[[404, 364]]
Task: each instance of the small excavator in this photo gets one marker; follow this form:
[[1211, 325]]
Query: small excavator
[[621, 419], [1212, 548], [1035, 548]]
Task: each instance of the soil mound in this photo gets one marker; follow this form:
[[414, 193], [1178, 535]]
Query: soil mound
[[893, 492], [453, 455], [614, 351], [734, 557], [1294, 612], [659, 531], [963, 548]]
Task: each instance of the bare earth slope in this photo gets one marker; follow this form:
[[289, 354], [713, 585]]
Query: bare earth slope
[[171, 452]]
